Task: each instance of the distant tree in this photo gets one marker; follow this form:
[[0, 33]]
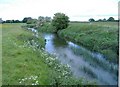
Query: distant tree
[[8, 21], [104, 20], [111, 19], [91, 20], [48, 19], [17, 21], [41, 21], [99, 20], [26, 19], [31, 21], [12, 21], [60, 21]]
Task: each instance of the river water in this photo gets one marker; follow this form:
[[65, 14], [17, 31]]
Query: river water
[[83, 63]]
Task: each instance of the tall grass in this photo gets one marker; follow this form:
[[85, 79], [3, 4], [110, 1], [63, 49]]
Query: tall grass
[[24, 64], [98, 37]]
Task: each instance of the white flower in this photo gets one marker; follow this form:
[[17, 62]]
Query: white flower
[[36, 82], [36, 76], [32, 83], [59, 76], [42, 48], [30, 78], [23, 80], [63, 73]]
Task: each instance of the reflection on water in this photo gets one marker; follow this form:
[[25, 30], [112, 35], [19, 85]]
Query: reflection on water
[[85, 64]]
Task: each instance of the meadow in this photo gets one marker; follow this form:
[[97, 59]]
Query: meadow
[[23, 63], [99, 37]]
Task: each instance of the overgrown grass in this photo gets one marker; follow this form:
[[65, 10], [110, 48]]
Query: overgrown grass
[[99, 37], [25, 64]]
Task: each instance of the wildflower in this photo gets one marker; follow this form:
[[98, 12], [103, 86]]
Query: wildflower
[[32, 83], [36, 76], [42, 48], [59, 76], [36, 81], [23, 80], [30, 78]]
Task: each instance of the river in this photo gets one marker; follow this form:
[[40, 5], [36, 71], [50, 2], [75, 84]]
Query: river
[[83, 63]]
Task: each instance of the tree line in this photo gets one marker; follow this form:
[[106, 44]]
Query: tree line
[[30, 20], [110, 19]]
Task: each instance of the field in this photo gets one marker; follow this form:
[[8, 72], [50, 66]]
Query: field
[[23, 63], [99, 37]]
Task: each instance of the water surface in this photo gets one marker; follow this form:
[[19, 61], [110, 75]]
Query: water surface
[[82, 62]]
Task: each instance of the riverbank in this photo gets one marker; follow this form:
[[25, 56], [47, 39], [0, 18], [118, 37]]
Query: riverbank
[[24, 61], [99, 37]]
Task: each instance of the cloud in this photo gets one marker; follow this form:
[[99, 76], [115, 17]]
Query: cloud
[[75, 9]]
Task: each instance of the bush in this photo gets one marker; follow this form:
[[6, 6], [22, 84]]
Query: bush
[[60, 21]]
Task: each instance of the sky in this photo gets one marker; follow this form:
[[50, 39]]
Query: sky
[[76, 10]]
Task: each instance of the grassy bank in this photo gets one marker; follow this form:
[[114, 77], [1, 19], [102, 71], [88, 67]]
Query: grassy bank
[[23, 63], [99, 37]]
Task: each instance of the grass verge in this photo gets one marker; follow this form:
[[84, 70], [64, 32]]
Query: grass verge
[[23, 63]]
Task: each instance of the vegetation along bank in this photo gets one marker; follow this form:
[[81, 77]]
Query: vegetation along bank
[[24, 61], [99, 37]]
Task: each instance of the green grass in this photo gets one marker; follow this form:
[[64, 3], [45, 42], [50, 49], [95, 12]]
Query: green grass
[[98, 36], [20, 62], [25, 64], [47, 27]]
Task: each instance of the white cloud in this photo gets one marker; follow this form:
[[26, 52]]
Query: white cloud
[[75, 9]]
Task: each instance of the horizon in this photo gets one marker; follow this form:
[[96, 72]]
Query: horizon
[[76, 10], [70, 20]]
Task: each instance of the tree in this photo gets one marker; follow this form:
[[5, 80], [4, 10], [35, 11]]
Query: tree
[[60, 21], [48, 19], [91, 20], [40, 21], [100, 20], [31, 21], [104, 20], [111, 19], [26, 19], [17, 21], [8, 21]]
